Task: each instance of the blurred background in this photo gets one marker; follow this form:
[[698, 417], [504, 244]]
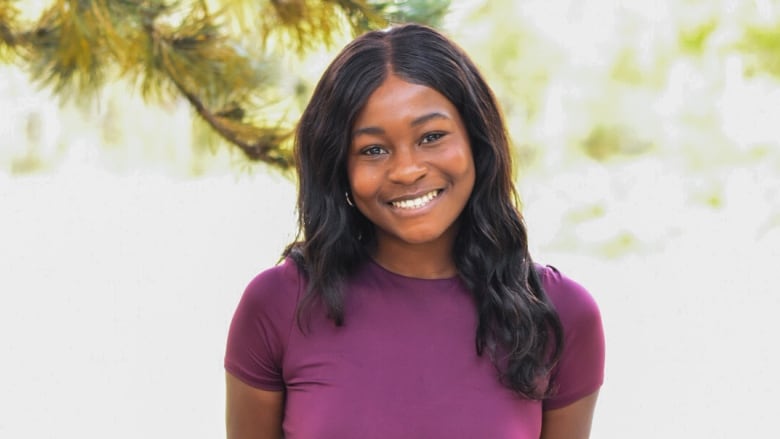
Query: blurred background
[[144, 180]]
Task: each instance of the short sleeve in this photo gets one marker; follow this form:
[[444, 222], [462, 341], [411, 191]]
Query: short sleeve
[[260, 327], [580, 370]]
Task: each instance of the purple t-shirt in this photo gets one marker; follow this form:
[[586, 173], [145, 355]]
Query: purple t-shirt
[[404, 364]]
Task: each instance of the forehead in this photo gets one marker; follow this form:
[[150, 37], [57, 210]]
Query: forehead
[[398, 100]]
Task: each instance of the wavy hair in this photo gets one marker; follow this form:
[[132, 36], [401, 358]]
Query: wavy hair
[[517, 325]]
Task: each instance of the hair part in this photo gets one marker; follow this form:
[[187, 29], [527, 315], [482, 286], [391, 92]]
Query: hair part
[[517, 324]]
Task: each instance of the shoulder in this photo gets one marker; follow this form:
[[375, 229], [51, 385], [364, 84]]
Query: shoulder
[[580, 371], [273, 292], [573, 302], [258, 333], [275, 284]]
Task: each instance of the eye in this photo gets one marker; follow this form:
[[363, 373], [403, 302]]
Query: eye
[[373, 150], [431, 137]]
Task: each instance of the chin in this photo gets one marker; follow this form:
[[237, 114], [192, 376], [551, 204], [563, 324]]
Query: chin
[[420, 237]]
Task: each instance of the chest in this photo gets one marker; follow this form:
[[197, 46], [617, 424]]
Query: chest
[[399, 367]]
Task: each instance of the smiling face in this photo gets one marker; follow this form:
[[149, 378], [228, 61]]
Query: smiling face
[[410, 168]]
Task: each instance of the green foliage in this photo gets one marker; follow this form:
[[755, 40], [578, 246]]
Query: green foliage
[[620, 245], [586, 213], [761, 44], [608, 141], [694, 40], [8, 18], [430, 12], [306, 24], [602, 142], [626, 69], [66, 50], [172, 49]]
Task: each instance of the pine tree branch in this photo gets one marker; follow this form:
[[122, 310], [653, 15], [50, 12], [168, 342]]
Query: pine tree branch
[[8, 38], [265, 148], [76, 45], [257, 143]]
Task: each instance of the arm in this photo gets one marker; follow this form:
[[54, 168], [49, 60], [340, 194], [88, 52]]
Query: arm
[[579, 374], [251, 412], [570, 422]]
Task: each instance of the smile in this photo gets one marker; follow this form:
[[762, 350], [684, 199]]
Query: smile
[[416, 203]]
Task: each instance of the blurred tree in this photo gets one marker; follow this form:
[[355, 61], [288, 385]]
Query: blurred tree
[[222, 56], [693, 40], [761, 43]]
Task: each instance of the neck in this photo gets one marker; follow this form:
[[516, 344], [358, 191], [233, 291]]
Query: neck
[[424, 261]]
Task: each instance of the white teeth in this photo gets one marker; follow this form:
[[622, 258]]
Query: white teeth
[[416, 202]]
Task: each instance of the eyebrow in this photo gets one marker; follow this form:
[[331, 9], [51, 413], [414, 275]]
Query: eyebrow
[[416, 122]]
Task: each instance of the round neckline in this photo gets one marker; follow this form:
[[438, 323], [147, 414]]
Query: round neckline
[[379, 267]]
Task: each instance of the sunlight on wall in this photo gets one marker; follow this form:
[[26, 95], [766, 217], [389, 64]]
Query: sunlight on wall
[[117, 293]]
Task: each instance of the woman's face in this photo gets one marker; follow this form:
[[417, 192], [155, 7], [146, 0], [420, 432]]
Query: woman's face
[[410, 166]]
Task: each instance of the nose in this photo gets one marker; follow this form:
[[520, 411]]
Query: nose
[[406, 167]]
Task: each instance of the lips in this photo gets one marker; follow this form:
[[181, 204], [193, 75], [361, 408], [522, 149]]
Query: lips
[[417, 201]]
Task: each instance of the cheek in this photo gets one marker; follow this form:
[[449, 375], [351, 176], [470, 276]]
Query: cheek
[[461, 164], [467, 174], [363, 181]]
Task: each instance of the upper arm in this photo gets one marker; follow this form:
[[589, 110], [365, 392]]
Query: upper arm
[[570, 422], [579, 374], [251, 412], [580, 369], [256, 342]]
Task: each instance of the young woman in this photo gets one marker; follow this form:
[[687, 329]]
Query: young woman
[[410, 307]]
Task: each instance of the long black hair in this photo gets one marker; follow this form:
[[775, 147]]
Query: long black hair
[[518, 326]]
